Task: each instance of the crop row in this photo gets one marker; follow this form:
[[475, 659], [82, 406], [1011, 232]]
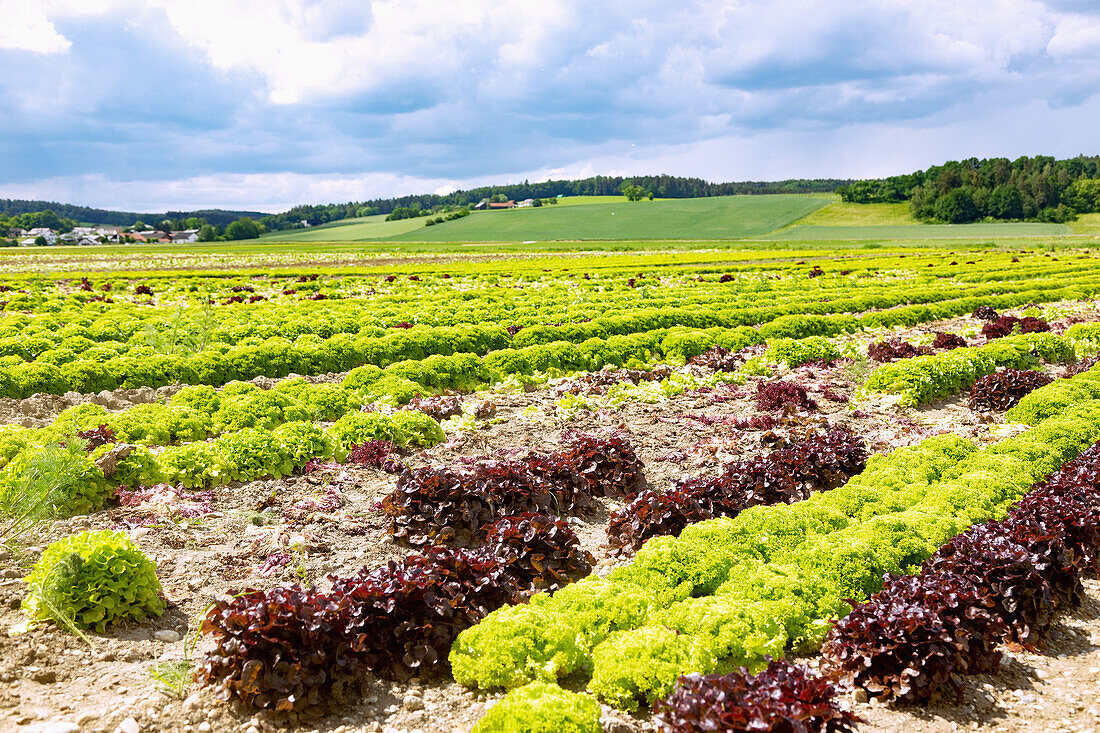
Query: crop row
[[1001, 581], [817, 462], [922, 379], [90, 478], [137, 345], [52, 327], [289, 648], [730, 591], [78, 364]]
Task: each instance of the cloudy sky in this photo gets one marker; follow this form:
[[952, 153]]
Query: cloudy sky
[[262, 104]]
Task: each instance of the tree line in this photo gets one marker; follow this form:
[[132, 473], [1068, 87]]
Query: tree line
[[242, 228], [106, 217], [1026, 189], [34, 220]]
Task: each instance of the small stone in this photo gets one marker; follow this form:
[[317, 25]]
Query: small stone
[[413, 702], [168, 636], [129, 726], [87, 717], [45, 676], [62, 726], [11, 573], [860, 695], [614, 725], [204, 727]]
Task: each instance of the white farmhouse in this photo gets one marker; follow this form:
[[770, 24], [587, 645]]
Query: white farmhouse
[[186, 236], [48, 234]]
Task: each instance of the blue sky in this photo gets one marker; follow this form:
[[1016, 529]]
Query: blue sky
[[262, 104]]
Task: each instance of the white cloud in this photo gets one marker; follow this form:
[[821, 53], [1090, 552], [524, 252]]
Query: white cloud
[[305, 55], [347, 99], [1076, 37], [25, 26]]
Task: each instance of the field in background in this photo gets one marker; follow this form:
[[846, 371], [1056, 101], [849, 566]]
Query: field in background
[[1086, 224], [348, 230], [803, 232], [839, 213], [611, 222], [725, 217]]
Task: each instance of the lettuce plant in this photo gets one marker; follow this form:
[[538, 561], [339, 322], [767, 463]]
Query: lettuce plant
[[915, 637], [93, 579], [1002, 390], [540, 552], [540, 707], [783, 697]]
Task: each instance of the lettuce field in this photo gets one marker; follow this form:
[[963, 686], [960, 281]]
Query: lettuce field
[[341, 489]]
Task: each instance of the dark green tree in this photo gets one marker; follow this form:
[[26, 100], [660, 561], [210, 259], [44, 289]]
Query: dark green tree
[[956, 207], [1006, 202], [244, 228], [633, 192]]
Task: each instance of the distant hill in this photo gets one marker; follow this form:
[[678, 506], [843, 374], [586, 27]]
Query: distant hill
[[661, 186], [217, 217], [699, 218]]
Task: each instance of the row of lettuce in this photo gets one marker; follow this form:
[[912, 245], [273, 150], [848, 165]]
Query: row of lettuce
[[919, 636], [198, 411], [89, 478], [82, 365], [250, 423], [729, 592], [399, 291], [725, 593]]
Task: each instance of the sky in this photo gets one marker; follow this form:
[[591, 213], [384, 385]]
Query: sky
[[151, 105]]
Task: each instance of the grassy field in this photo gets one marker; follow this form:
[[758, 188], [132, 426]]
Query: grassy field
[[586, 200], [839, 213], [347, 230], [1086, 224], [803, 232], [726, 217]]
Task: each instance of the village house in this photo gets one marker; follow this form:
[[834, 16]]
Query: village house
[[494, 205], [48, 234], [185, 237], [89, 235]]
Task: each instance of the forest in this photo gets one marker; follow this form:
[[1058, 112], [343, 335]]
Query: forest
[[1032, 189]]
